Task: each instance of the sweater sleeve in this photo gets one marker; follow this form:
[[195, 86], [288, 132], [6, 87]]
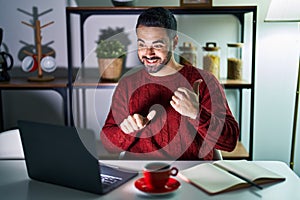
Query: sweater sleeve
[[112, 137], [215, 122]]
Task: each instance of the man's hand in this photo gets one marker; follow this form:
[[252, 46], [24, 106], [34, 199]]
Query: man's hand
[[136, 122], [186, 102]]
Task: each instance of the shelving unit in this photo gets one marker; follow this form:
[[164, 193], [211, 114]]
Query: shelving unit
[[59, 85], [239, 12]]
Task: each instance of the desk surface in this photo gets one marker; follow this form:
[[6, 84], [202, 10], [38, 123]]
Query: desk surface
[[15, 184]]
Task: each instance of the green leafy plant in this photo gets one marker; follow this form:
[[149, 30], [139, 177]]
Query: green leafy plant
[[110, 49], [112, 43]]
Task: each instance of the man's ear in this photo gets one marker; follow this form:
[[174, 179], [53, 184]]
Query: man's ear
[[175, 42]]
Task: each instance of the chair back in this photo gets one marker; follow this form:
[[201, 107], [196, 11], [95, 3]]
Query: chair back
[[217, 155], [11, 145]]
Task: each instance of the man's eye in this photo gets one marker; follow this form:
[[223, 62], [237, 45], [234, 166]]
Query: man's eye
[[158, 46], [140, 45]]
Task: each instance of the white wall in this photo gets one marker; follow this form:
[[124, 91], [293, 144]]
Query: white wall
[[277, 53], [277, 67], [277, 60], [276, 75]]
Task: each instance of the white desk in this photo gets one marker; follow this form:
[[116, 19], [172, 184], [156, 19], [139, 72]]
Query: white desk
[[15, 184]]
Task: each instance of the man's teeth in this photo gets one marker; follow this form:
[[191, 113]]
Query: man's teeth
[[151, 60]]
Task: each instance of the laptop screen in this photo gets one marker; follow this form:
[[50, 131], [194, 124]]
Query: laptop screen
[[56, 154]]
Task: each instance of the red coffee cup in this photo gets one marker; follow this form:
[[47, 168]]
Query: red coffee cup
[[29, 64], [157, 174]]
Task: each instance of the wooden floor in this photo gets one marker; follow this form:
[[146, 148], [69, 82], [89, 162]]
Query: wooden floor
[[239, 152]]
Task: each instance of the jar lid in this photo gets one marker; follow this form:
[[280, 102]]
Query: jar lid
[[239, 45], [187, 46], [211, 46]]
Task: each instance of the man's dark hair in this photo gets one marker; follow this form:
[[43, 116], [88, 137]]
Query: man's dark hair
[[158, 17]]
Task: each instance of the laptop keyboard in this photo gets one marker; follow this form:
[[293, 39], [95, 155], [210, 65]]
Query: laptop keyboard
[[109, 180]]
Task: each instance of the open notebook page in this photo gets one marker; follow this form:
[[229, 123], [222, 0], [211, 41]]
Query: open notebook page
[[210, 178], [247, 169]]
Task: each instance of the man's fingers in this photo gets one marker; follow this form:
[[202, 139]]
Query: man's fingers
[[126, 127], [181, 92], [132, 123], [151, 115], [139, 120], [136, 122], [175, 99]]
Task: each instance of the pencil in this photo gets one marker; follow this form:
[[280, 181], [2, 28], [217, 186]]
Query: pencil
[[245, 179]]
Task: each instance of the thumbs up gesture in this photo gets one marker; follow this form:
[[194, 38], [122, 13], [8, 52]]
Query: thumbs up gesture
[[186, 102]]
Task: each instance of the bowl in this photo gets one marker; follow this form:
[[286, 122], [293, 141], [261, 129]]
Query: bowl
[[123, 2]]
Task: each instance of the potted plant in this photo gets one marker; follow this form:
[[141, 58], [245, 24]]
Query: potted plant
[[110, 55], [111, 50]]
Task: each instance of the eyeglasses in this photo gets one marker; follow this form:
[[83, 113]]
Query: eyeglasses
[[156, 46]]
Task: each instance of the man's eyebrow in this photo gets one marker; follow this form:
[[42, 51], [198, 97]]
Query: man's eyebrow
[[154, 42], [140, 40], [159, 41]]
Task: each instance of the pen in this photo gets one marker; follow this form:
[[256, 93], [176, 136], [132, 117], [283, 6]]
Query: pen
[[245, 179]]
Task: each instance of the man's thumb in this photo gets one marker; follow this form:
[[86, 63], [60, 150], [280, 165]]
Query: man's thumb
[[151, 115], [196, 86]]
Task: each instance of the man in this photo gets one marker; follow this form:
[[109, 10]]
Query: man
[[166, 110]]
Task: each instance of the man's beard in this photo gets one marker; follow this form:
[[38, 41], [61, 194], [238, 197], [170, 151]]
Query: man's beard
[[156, 68]]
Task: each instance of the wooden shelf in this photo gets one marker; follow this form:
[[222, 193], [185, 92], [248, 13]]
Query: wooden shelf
[[94, 10], [90, 77], [19, 80], [239, 152], [228, 83], [24, 83]]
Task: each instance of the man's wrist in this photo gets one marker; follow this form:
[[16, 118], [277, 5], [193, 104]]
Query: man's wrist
[[194, 116]]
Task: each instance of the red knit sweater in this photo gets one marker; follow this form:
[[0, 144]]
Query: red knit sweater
[[170, 135]]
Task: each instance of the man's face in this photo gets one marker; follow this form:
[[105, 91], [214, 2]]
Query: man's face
[[154, 47]]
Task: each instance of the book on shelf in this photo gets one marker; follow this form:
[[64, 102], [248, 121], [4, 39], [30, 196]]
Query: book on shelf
[[225, 175]]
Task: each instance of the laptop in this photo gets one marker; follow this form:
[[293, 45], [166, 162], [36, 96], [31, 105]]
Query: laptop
[[55, 154]]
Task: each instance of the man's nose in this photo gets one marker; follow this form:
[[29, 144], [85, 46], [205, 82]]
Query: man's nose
[[149, 50]]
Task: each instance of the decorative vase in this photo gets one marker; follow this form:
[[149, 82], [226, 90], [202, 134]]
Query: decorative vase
[[110, 68]]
